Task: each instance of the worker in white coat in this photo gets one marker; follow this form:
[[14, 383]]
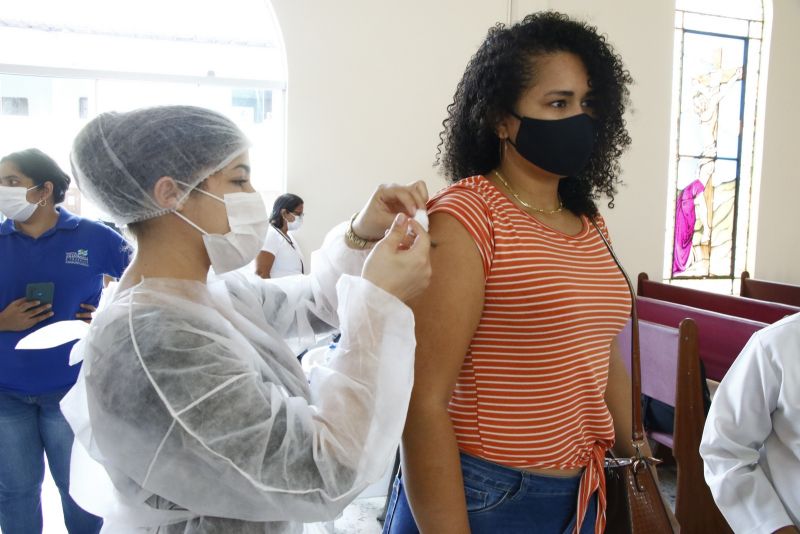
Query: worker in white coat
[[190, 399], [751, 441]]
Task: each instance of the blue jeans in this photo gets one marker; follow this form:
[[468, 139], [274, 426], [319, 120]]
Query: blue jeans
[[502, 499], [30, 428]]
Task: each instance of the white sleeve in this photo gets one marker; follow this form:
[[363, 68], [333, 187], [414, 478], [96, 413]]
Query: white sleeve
[[736, 428], [301, 307], [272, 241]]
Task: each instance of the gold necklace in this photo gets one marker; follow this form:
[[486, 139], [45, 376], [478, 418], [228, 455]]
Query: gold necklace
[[532, 208]]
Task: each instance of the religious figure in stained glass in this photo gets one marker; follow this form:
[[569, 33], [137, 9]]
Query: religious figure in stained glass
[[714, 160], [706, 194]]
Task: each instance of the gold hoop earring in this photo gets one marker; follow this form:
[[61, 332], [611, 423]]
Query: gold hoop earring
[[42, 202]]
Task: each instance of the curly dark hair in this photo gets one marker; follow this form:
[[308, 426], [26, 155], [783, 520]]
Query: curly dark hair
[[496, 77]]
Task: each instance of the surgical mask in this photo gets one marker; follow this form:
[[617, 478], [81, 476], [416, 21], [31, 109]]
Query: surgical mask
[[14, 203], [247, 218], [563, 147], [296, 224]]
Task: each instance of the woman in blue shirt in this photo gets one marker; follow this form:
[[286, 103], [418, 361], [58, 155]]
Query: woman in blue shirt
[[42, 243]]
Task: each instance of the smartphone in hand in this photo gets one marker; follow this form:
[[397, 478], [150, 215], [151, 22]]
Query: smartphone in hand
[[41, 291]]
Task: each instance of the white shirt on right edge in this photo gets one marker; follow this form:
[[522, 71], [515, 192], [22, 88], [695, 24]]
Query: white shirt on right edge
[[751, 441], [288, 256]]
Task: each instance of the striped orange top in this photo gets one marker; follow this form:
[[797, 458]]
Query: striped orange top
[[530, 393]]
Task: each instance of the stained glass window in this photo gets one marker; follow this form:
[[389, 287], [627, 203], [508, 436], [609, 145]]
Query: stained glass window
[[716, 79]]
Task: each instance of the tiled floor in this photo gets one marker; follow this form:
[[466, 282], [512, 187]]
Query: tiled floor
[[361, 517]]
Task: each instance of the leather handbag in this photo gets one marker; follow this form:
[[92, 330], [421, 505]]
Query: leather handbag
[[633, 501]]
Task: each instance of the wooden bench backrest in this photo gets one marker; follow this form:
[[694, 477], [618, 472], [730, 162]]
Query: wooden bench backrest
[[670, 367], [720, 337], [748, 308], [658, 346], [770, 291]]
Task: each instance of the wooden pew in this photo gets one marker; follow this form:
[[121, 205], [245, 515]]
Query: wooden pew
[[671, 373], [769, 291], [722, 337], [756, 310]]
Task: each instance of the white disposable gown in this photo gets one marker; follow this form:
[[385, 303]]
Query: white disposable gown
[[196, 408]]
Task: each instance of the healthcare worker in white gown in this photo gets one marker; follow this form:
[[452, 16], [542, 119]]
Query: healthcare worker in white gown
[[190, 400]]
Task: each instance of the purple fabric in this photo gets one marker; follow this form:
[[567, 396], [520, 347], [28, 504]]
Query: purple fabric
[[658, 356], [664, 439], [685, 218]]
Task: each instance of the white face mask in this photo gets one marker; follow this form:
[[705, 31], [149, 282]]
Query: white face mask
[[14, 203], [247, 217], [295, 224]]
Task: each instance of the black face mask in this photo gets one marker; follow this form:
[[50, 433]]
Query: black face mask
[[562, 146]]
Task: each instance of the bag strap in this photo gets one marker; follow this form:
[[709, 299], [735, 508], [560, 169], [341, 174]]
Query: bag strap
[[637, 430]]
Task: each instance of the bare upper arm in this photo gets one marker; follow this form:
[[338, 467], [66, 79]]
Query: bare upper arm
[[264, 262], [449, 311]]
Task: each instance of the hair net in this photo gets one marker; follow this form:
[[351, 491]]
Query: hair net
[[118, 157], [200, 413]]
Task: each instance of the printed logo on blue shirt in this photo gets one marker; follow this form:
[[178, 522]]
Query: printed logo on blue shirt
[[79, 257]]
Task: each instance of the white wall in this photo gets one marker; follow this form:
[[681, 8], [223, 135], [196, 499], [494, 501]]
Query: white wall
[[778, 245], [369, 83], [368, 86]]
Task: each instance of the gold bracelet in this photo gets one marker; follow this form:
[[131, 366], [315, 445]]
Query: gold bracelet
[[355, 240]]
